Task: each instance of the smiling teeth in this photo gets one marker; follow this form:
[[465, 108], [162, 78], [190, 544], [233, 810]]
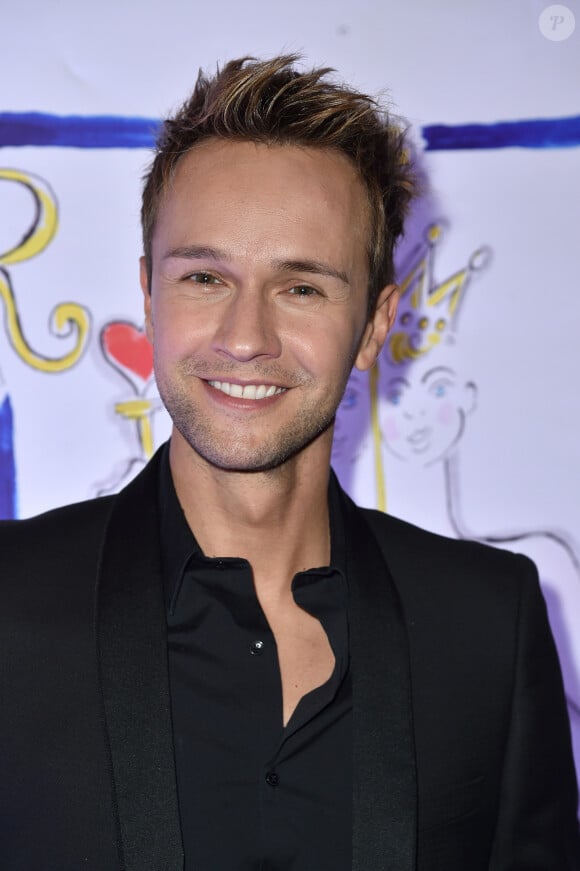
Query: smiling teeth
[[247, 391]]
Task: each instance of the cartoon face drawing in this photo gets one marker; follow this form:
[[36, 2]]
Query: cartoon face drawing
[[351, 419], [422, 410]]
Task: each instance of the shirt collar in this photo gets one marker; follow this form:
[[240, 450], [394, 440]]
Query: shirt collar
[[178, 543]]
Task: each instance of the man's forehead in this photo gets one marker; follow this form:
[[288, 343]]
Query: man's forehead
[[215, 157], [292, 185]]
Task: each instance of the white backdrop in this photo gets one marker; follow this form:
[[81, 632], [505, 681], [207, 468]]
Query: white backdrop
[[487, 445]]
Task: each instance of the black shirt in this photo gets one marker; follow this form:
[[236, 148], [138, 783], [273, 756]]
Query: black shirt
[[253, 794]]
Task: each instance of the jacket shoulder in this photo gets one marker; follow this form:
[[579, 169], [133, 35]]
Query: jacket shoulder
[[63, 537], [83, 509], [438, 570], [418, 545]]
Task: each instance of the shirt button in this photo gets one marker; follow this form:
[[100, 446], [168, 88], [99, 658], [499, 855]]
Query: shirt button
[[272, 779], [257, 648]]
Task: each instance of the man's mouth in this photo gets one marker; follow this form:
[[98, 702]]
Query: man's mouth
[[247, 391]]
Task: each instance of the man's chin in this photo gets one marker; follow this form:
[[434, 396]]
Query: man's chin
[[244, 458], [250, 464]]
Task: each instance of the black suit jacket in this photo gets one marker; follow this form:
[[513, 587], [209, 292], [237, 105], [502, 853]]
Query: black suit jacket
[[462, 757]]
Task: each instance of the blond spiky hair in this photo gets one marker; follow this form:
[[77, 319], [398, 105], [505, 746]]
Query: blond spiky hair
[[272, 102]]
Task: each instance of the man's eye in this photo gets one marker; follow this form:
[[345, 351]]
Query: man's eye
[[303, 290], [203, 278]]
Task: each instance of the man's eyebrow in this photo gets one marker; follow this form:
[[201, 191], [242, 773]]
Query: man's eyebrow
[[313, 267], [197, 252], [206, 252], [434, 370]]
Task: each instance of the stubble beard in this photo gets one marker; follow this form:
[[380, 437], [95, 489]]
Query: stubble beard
[[233, 449]]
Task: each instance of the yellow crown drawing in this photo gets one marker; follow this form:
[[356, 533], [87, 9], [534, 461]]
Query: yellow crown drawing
[[427, 311]]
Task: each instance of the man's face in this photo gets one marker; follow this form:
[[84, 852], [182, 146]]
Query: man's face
[[257, 305]]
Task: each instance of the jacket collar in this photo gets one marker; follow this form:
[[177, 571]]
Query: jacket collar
[[132, 653], [384, 769]]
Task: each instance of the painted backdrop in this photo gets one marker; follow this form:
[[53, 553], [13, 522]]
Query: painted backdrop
[[470, 423]]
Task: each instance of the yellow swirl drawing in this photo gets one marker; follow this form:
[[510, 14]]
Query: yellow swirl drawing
[[402, 349], [68, 318], [139, 410]]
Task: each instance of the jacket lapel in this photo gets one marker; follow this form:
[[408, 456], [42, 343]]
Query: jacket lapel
[[132, 651], [384, 771]]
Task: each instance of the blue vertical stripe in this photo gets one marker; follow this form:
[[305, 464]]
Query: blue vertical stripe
[[7, 465]]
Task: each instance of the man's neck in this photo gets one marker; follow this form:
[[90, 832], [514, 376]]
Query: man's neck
[[277, 520]]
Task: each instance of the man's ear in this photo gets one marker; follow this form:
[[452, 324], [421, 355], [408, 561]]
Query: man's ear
[[378, 326], [144, 281]]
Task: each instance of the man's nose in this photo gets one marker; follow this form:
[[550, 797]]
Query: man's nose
[[248, 328]]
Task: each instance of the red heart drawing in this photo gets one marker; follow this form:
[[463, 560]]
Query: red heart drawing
[[127, 348]]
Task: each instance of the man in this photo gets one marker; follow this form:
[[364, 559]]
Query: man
[[229, 665]]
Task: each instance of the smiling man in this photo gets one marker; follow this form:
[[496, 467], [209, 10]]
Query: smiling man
[[229, 665]]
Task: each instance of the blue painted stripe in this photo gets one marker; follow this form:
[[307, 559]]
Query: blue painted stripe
[[110, 131], [7, 465], [535, 133], [76, 131]]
